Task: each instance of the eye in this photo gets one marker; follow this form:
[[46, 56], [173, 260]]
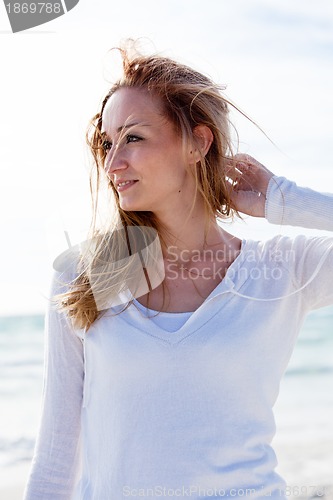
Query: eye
[[106, 145], [132, 138]]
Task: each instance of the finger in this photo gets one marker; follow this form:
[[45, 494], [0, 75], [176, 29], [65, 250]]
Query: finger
[[241, 176], [239, 164]]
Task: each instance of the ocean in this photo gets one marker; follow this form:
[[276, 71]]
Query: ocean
[[21, 379], [304, 411]]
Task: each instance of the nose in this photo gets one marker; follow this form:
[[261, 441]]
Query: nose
[[115, 161]]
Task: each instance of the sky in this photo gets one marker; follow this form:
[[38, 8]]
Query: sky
[[275, 57]]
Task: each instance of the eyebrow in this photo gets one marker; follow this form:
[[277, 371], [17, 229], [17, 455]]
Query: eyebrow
[[124, 127]]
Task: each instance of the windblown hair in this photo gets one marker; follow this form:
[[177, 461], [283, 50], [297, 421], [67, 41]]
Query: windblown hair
[[188, 99]]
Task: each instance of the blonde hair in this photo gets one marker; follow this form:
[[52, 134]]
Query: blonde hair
[[188, 99]]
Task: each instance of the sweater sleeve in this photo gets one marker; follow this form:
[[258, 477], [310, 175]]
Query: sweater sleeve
[[56, 462], [312, 257], [292, 205]]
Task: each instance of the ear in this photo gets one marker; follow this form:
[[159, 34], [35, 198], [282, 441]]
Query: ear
[[204, 138]]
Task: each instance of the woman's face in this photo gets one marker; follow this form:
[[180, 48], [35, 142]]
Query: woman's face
[[150, 154]]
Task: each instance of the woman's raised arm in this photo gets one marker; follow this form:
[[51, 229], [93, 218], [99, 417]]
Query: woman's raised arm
[[283, 202]]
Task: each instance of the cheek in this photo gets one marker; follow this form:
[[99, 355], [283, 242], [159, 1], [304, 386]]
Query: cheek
[[178, 178], [181, 168]]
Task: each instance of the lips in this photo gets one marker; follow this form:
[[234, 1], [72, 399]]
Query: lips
[[125, 181], [122, 184]]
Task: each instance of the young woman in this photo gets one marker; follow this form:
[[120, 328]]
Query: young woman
[[164, 362]]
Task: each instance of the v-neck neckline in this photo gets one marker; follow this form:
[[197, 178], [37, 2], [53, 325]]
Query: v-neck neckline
[[232, 279]]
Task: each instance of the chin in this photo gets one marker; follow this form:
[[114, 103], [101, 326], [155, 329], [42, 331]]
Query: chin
[[132, 207], [135, 209]]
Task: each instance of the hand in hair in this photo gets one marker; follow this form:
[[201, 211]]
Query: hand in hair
[[249, 182]]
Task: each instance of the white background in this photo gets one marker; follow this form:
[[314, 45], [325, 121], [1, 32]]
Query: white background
[[275, 57]]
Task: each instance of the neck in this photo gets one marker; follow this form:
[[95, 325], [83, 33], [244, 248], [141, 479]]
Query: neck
[[185, 239]]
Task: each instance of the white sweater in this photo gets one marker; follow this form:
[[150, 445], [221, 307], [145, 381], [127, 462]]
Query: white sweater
[[131, 410]]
